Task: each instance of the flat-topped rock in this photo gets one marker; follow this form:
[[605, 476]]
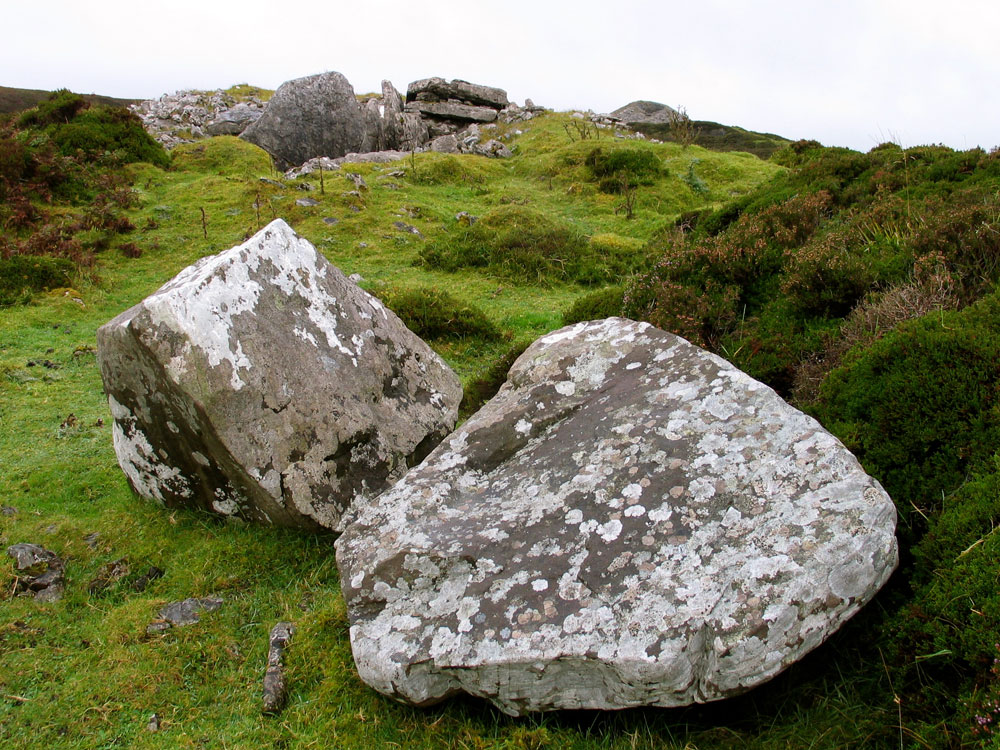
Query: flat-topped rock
[[630, 521], [440, 90], [263, 384], [452, 111]]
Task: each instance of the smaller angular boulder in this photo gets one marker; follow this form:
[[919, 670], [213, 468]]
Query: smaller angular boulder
[[630, 521], [438, 90], [452, 111], [263, 384]]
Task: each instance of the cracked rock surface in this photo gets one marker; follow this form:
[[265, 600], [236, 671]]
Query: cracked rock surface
[[630, 521], [261, 383]]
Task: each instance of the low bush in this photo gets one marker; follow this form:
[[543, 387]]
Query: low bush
[[604, 303], [435, 314], [516, 243], [112, 131], [620, 169], [22, 276]]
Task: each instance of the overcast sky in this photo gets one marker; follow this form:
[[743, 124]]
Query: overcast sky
[[847, 73]]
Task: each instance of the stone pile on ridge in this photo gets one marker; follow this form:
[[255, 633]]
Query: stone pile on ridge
[[448, 106], [630, 521], [262, 383]]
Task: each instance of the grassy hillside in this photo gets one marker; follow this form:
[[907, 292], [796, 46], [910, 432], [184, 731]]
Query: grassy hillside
[[718, 137], [18, 100], [603, 214]]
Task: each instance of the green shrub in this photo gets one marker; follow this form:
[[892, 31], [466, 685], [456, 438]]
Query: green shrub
[[919, 406], [517, 243], [621, 169], [435, 314], [825, 279], [60, 108], [114, 131], [21, 276], [604, 303]]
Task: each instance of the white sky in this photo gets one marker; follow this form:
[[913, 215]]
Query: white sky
[[848, 73]]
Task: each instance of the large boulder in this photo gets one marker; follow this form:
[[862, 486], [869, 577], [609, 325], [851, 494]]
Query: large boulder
[[630, 521], [317, 115], [261, 383]]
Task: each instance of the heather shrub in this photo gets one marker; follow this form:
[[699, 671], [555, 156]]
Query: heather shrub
[[603, 303], [620, 169], [919, 406], [22, 276], [825, 278], [60, 108], [105, 130], [435, 314], [516, 243]]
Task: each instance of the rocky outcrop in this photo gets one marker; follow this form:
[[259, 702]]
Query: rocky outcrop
[[313, 116], [261, 383], [630, 521], [186, 116], [453, 111]]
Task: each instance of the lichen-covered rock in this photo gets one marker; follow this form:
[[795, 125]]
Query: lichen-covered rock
[[261, 383], [452, 111], [40, 572], [317, 115], [630, 521]]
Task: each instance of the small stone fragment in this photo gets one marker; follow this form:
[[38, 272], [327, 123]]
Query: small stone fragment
[[275, 687], [154, 723], [41, 573], [91, 539], [330, 221], [109, 574], [402, 226], [144, 580], [306, 202], [188, 612], [8, 510]]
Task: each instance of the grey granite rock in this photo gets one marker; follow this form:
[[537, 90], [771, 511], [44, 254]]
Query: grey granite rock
[[629, 521], [312, 116], [261, 383], [40, 572]]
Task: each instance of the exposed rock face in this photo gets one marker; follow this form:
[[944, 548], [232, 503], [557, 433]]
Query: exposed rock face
[[261, 383], [630, 521], [312, 116], [189, 115]]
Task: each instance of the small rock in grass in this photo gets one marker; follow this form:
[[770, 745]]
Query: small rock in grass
[[109, 574], [40, 572], [307, 202], [275, 687]]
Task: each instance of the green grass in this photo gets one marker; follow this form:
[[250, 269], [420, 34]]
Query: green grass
[[83, 673]]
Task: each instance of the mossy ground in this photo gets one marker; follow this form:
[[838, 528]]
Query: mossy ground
[[83, 673]]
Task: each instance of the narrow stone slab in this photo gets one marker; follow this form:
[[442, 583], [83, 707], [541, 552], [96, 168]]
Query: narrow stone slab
[[453, 111], [630, 521]]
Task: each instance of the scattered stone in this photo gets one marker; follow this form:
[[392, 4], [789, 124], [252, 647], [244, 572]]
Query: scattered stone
[[357, 278], [140, 583], [317, 115], [465, 218], [273, 183], [402, 226], [629, 521], [444, 144], [109, 574], [40, 572], [330, 220], [8, 510], [330, 165], [234, 120], [154, 723], [275, 688], [91, 539], [493, 149], [187, 116], [306, 202], [358, 180], [261, 384], [183, 613]]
